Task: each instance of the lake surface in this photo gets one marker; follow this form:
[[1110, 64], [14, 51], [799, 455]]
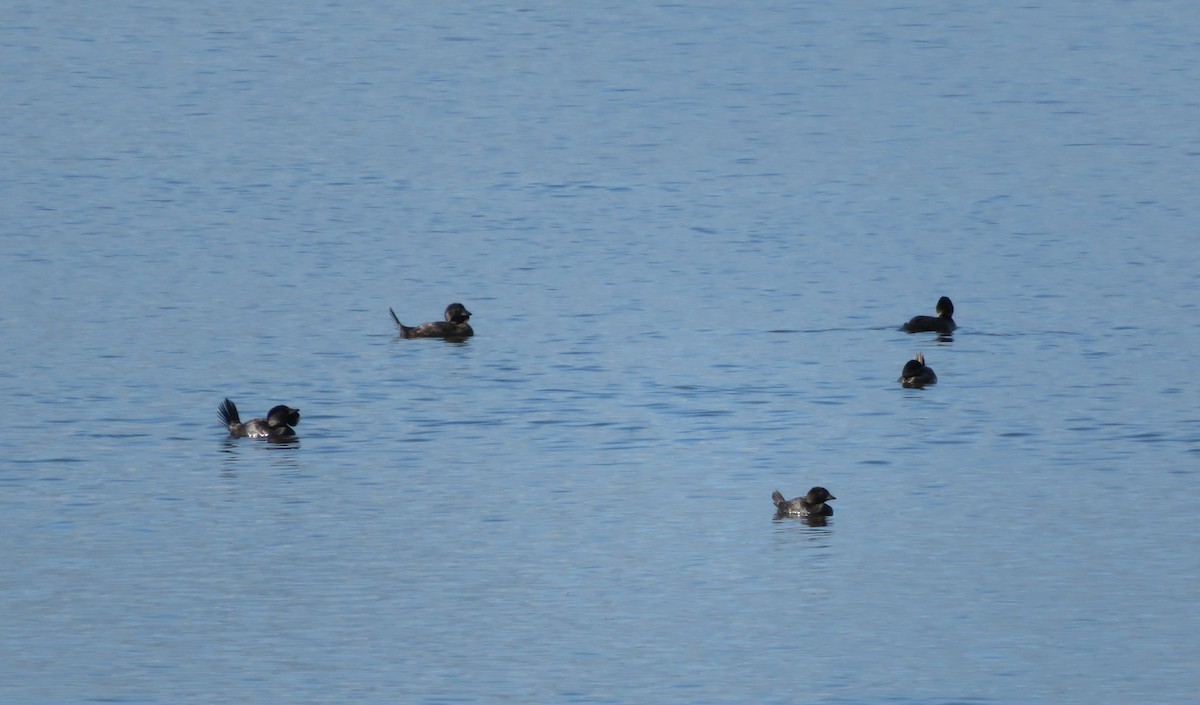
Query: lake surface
[[688, 235]]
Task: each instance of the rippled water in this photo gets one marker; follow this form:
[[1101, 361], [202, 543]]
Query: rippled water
[[689, 235]]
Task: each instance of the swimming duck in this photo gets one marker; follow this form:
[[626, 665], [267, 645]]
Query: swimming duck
[[455, 325], [942, 323], [811, 504], [278, 423], [915, 374]]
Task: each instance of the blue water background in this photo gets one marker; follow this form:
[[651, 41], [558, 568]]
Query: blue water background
[[688, 234]]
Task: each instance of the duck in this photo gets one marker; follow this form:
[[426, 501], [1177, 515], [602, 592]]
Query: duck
[[454, 326], [277, 424], [812, 504], [915, 374], [943, 323]]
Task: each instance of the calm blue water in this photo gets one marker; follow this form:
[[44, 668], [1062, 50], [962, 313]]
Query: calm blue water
[[688, 234]]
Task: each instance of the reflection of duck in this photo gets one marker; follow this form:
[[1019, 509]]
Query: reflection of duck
[[455, 325], [942, 323], [915, 374], [278, 423], [811, 504]]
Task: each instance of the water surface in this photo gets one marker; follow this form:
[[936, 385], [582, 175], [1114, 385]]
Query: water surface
[[689, 235]]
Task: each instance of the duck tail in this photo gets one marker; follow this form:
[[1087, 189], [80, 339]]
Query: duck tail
[[920, 357], [777, 498], [404, 330], [228, 413]]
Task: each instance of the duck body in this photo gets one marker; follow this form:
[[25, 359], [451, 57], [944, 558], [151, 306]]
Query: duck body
[[811, 504], [277, 424], [454, 326], [916, 374], [943, 323]]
